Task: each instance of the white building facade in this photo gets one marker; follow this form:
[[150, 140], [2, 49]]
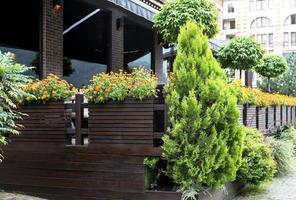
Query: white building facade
[[271, 22]]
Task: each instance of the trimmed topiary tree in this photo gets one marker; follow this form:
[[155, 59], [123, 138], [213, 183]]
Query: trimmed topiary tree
[[175, 13], [242, 53], [272, 67], [203, 147]]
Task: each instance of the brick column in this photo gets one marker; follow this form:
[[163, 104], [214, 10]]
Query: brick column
[[116, 43], [51, 33], [157, 60]]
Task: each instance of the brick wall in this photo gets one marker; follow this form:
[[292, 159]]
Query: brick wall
[[51, 40]]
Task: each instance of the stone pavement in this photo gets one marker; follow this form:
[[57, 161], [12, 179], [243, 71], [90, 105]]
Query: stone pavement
[[283, 188], [13, 196]]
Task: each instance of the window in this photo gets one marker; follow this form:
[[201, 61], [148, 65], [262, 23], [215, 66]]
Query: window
[[293, 38], [293, 3], [229, 24], [230, 8], [286, 3], [232, 24], [262, 38], [261, 22], [291, 20], [270, 4], [270, 39], [229, 37], [252, 5], [260, 5], [286, 39]]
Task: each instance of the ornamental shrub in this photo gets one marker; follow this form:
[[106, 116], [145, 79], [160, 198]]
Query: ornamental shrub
[[257, 165], [51, 88], [203, 147], [272, 67], [120, 86], [241, 53], [282, 152], [175, 13], [289, 135], [12, 81]]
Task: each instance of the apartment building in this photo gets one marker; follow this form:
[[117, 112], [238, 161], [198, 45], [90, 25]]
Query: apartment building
[[271, 22]]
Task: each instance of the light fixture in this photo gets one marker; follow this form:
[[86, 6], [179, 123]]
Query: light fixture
[[57, 5], [119, 24]]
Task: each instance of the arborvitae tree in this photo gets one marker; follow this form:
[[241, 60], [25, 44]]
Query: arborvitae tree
[[203, 147]]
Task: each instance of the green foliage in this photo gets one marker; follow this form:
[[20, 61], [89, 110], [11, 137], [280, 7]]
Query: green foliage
[[284, 84], [139, 84], [242, 53], [272, 66], [282, 152], [67, 65], [12, 81], [204, 144], [175, 13], [289, 135], [257, 165], [151, 162]]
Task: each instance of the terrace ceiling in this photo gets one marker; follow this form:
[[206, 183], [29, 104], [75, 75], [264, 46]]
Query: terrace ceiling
[[88, 41]]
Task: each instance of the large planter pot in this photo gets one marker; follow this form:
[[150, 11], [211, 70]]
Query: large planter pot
[[44, 123], [261, 118], [126, 122], [251, 116]]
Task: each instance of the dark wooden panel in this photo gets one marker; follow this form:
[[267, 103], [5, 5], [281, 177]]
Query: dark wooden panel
[[251, 116], [261, 119], [117, 128]]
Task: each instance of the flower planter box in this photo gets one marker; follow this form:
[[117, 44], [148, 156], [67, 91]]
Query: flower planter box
[[261, 119], [44, 123], [251, 116], [126, 122]]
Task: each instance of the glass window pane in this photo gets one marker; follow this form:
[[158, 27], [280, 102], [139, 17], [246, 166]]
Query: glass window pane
[[286, 39], [252, 5], [293, 38]]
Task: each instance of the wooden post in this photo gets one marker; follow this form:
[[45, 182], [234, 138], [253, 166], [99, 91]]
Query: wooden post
[[78, 118]]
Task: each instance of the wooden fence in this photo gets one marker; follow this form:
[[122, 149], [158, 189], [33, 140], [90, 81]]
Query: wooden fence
[[81, 151]]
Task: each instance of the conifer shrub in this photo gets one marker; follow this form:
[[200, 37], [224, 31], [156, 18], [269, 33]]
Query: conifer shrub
[[203, 146], [257, 165]]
